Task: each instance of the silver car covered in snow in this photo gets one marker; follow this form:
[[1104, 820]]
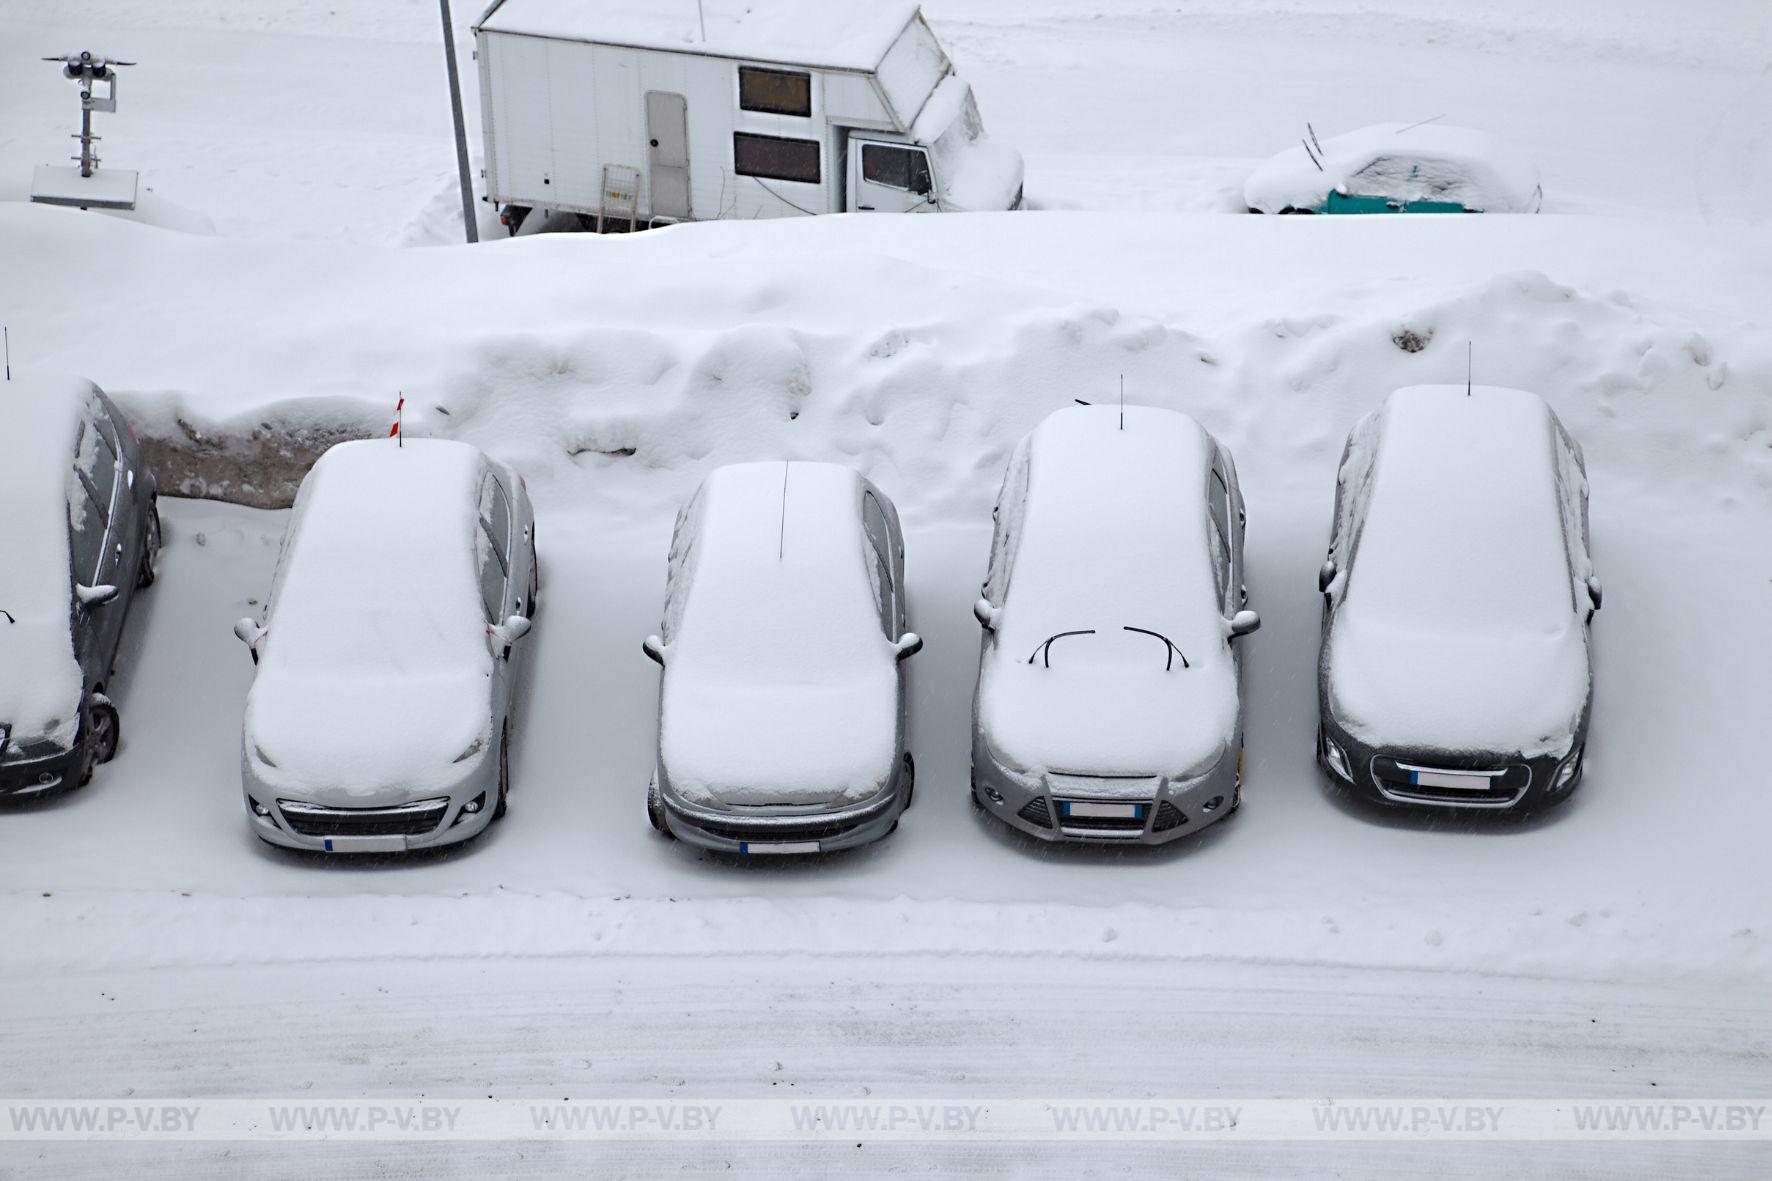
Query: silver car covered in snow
[[1109, 702], [781, 719], [1457, 594], [379, 718]]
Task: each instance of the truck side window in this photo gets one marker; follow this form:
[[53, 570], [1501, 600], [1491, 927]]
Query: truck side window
[[775, 157], [896, 168], [774, 92]]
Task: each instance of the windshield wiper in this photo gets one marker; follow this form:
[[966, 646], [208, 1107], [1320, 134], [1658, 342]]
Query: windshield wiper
[[1173, 650], [1046, 647]]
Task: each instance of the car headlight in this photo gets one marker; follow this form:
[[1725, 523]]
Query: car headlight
[[1566, 772], [1200, 769], [1020, 776], [1336, 758]]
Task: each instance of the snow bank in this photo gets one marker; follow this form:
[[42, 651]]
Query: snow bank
[[1409, 162], [1459, 627], [780, 685], [375, 667], [1114, 534], [841, 34], [40, 680]]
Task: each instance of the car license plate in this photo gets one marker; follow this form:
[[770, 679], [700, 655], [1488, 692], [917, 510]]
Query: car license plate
[[1086, 810], [393, 844], [778, 847], [1448, 780]]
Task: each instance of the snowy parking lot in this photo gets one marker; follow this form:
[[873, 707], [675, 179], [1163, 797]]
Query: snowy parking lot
[[1617, 948]]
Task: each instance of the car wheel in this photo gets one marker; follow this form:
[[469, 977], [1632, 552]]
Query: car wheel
[[910, 779], [534, 584], [150, 550], [655, 810], [504, 774], [103, 729]]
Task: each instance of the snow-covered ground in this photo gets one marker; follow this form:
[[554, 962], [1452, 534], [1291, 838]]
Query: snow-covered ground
[[1618, 947]]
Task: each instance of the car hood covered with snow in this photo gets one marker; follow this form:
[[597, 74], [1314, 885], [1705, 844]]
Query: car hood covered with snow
[[40, 679], [1423, 162], [1457, 627], [780, 686], [1113, 536], [376, 673]]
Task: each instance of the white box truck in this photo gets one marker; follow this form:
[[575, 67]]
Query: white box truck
[[646, 112]]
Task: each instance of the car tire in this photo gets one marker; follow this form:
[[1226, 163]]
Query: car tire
[[102, 730], [504, 775], [145, 576], [1237, 792], [655, 810], [534, 583], [910, 780]]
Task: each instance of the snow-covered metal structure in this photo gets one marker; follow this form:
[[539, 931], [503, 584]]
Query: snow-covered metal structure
[[631, 115]]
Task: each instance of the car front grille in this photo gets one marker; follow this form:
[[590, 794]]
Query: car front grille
[[1036, 813], [1400, 781], [314, 820], [812, 830], [1168, 817]]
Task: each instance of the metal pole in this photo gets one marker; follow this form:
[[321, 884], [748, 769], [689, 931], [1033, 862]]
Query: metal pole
[[470, 223], [86, 130]]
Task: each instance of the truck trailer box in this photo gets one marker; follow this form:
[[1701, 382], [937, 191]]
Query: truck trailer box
[[667, 111]]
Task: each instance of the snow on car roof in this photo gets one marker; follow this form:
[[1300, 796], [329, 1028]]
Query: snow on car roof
[[1114, 533], [1421, 161], [376, 647], [40, 680], [1458, 626], [779, 677], [840, 34]]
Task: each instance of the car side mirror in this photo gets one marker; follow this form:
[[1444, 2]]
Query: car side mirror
[[654, 649], [1326, 575], [1593, 591], [94, 596], [514, 628], [985, 614], [909, 644], [248, 632], [922, 183], [1243, 623]]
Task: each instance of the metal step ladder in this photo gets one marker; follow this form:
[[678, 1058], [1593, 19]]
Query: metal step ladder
[[620, 198]]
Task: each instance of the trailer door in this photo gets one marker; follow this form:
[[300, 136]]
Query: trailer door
[[667, 133], [887, 177]]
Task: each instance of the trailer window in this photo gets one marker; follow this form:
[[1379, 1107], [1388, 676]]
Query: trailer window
[[775, 157], [774, 92]]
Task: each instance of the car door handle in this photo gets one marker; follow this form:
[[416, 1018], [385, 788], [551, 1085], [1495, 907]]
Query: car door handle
[[868, 208]]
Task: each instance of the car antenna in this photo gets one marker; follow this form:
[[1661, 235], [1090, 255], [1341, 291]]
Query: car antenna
[[1423, 123], [1470, 356], [6, 334], [702, 14], [1122, 401], [781, 540]]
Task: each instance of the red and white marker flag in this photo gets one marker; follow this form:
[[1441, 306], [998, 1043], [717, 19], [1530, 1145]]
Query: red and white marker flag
[[399, 413]]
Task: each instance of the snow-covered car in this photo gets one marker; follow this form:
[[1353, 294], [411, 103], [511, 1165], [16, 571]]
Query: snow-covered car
[[81, 536], [1458, 593], [781, 714], [380, 715], [1109, 700], [1397, 168]]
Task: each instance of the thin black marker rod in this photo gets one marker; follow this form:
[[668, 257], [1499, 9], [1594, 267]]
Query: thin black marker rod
[[1470, 360], [781, 541], [6, 333], [1122, 401]]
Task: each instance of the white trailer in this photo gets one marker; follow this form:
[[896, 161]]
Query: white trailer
[[645, 112]]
